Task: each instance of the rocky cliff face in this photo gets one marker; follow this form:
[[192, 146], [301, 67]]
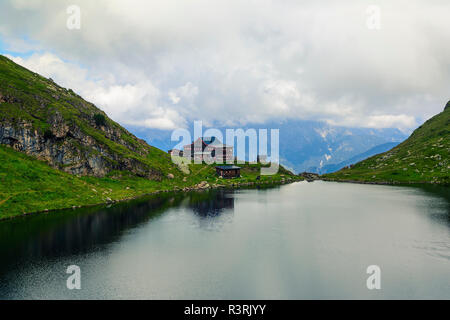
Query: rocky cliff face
[[70, 150], [55, 125]]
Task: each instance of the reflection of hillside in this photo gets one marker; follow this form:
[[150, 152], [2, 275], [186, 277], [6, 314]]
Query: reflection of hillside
[[212, 203], [71, 232], [442, 193]]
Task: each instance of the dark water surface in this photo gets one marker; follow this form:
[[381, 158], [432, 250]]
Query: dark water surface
[[298, 241]]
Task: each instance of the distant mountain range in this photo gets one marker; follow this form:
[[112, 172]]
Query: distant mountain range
[[311, 146], [422, 158], [362, 156]]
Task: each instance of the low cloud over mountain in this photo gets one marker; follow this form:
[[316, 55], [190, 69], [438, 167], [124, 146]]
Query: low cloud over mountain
[[162, 65]]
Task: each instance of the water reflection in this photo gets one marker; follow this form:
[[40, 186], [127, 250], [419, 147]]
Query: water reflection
[[285, 242], [213, 209], [71, 232], [212, 203], [438, 204], [76, 231]]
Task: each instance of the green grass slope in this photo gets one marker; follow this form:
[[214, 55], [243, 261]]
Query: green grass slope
[[28, 99], [29, 185], [422, 158]]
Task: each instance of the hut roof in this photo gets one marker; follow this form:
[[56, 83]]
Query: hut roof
[[228, 167]]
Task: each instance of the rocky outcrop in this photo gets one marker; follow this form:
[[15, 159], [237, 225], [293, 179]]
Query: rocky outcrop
[[309, 176], [56, 125], [68, 148]]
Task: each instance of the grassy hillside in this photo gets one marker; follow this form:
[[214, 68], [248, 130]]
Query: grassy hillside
[[29, 185], [329, 168], [422, 158], [53, 123]]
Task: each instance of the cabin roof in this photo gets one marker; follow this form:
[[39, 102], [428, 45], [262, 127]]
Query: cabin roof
[[210, 141], [217, 144], [228, 167]]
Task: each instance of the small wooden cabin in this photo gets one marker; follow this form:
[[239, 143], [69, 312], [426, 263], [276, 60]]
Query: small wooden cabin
[[228, 171]]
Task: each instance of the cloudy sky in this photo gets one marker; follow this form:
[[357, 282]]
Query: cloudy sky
[[164, 63]]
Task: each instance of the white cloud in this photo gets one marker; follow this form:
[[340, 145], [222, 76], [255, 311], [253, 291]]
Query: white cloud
[[187, 93], [401, 121], [49, 65], [166, 63], [173, 97], [134, 104]]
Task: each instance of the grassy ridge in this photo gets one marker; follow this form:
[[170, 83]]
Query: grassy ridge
[[27, 97], [422, 158], [29, 185]]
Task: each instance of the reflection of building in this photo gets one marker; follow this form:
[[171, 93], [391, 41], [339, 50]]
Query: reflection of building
[[212, 203], [208, 149], [228, 171]]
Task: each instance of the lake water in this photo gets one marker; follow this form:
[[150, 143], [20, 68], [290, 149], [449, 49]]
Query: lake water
[[297, 241]]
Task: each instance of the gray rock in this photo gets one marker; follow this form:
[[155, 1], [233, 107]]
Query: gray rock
[[66, 147]]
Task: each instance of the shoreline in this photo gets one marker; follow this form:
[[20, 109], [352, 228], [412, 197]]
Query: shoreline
[[195, 187], [237, 185], [388, 183]]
